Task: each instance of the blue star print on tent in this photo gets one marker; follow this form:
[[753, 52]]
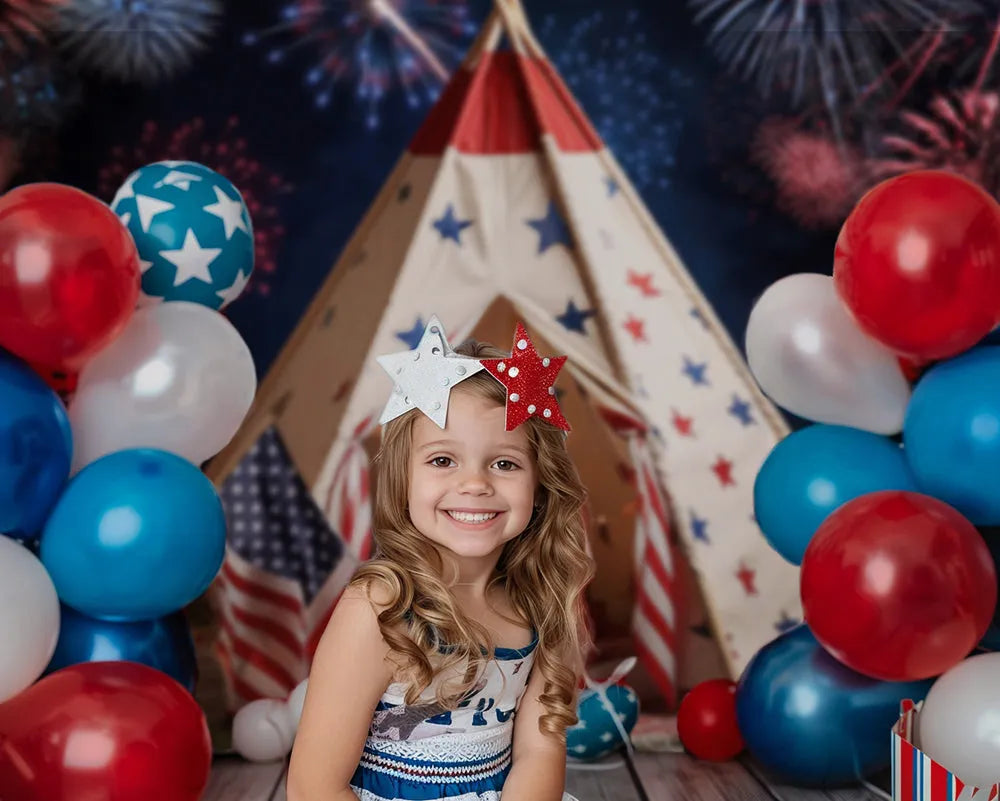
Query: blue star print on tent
[[573, 318], [412, 337], [552, 229], [450, 227]]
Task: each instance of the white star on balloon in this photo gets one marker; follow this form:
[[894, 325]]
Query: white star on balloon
[[230, 293], [192, 260], [182, 180], [148, 207], [126, 190], [424, 376], [229, 211]]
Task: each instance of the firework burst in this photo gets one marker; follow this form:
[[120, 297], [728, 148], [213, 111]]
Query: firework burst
[[137, 40], [25, 21], [816, 179], [371, 46], [226, 152], [959, 132], [31, 95], [631, 95], [830, 51]]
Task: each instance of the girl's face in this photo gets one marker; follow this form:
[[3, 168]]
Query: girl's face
[[472, 485]]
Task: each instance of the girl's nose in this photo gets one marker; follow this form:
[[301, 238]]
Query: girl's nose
[[475, 482]]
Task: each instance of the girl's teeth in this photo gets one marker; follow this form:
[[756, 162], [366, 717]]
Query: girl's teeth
[[465, 517]]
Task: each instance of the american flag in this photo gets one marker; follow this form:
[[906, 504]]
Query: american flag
[[284, 570]]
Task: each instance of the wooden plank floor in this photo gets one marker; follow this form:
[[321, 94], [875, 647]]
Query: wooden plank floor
[[649, 777]]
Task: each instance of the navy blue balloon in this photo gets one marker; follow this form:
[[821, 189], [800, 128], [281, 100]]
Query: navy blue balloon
[[812, 721], [813, 471], [136, 535], [35, 448], [951, 433], [164, 644]]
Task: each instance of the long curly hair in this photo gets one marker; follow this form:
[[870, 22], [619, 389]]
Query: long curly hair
[[543, 572]]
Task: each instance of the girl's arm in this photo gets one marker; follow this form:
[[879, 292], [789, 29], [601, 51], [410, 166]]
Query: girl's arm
[[350, 671], [538, 772]]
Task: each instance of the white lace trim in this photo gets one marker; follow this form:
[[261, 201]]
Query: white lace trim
[[458, 747], [436, 774]]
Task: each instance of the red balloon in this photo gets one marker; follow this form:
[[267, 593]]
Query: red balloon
[[104, 731], [917, 263], [898, 586], [69, 275], [706, 721]]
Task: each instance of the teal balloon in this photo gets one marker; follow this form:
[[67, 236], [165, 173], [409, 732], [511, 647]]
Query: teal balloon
[[164, 643], [136, 535], [596, 734], [812, 721], [192, 229], [951, 434], [815, 470]]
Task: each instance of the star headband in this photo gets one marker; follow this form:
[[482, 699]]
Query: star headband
[[424, 377]]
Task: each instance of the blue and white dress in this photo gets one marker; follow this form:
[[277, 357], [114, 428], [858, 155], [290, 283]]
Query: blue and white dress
[[424, 751]]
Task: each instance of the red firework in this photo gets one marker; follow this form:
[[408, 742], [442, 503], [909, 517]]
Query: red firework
[[224, 151], [958, 133], [815, 178], [24, 21]]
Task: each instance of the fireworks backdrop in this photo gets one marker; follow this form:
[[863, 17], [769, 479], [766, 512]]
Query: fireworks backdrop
[[750, 127]]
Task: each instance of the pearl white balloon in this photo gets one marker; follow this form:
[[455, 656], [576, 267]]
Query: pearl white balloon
[[179, 378], [809, 356], [29, 618], [296, 700], [960, 720], [263, 730]]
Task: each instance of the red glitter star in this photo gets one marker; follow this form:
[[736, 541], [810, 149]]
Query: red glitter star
[[723, 468], [644, 283], [530, 382]]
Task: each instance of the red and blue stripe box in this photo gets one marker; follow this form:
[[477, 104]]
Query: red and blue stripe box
[[917, 777]]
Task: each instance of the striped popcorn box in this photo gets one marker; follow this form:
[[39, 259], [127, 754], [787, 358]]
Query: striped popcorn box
[[917, 777]]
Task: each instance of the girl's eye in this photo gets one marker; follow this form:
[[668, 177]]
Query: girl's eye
[[441, 461], [505, 465]]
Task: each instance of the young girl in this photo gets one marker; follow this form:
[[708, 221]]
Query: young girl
[[450, 665]]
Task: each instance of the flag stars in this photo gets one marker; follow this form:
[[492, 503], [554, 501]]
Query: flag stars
[[699, 527], [741, 410], [644, 283], [747, 578], [449, 226], [695, 371], [636, 328], [723, 469]]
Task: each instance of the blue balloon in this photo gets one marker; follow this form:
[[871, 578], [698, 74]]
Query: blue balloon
[[136, 535], [951, 433], [812, 721], [813, 471], [164, 644], [35, 448], [193, 230]]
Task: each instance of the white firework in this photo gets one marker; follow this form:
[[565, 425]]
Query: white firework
[[137, 40]]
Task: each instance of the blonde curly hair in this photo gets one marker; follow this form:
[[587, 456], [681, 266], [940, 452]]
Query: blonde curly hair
[[543, 571]]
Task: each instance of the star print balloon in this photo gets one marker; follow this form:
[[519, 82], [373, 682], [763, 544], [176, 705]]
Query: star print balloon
[[193, 232]]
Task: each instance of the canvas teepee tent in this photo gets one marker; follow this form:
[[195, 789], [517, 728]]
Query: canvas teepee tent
[[507, 206]]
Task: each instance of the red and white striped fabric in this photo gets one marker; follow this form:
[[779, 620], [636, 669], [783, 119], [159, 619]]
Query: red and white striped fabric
[[348, 498], [917, 777]]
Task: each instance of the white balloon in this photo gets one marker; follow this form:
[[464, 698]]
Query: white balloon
[[29, 618], [263, 730], [960, 720], [811, 358], [296, 700], [179, 378]]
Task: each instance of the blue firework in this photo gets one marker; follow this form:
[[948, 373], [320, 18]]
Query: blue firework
[[31, 94], [632, 96], [830, 51], [370, 47], [138, 40]]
